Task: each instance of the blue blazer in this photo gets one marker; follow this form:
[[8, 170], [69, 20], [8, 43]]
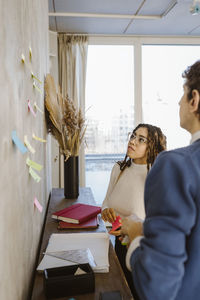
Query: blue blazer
[[166, 266]]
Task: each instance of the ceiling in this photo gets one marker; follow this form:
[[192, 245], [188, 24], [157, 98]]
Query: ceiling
[[124, 17]]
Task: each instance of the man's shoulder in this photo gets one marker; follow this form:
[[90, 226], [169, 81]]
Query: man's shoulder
[[184, 158], [182, 152]]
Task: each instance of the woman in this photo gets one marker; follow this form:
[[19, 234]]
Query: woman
[[125, 194]]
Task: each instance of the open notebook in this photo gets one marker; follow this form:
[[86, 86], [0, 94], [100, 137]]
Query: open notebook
[[97, 243]]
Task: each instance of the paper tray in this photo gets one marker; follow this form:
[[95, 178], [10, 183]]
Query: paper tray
[[62, 281]]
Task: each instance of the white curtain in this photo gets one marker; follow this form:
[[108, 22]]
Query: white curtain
[[72, 62]]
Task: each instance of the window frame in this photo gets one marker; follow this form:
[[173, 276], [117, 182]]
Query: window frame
[[137, 42]]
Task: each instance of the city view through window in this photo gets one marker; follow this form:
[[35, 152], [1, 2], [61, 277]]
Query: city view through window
[[109, 112], [110, 102]]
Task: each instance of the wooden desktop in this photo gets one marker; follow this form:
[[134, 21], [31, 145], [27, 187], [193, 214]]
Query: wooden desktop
[[114, 280]]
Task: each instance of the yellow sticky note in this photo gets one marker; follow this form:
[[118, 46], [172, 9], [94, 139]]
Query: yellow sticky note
[[37, 107], [22, 58], [38, 138], [36, 87], [33, 76], [33, 164], [30, 53], [28, 145], [35, 176]]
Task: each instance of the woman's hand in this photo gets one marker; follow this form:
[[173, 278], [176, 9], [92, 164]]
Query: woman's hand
[[132, 227], [108, 214], [115, 232]]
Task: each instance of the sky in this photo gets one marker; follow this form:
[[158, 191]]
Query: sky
[[109, 85]]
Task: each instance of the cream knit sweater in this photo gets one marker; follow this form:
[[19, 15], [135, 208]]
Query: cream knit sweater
[[127, 195]]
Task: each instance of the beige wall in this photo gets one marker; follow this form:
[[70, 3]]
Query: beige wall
[[24, 23], [53, 69]]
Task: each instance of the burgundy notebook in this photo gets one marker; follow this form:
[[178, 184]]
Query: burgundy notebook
[[91, 223], [77, 213]]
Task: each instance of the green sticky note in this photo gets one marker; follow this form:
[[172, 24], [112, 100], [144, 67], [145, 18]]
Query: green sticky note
[[35, 176], [33, 164]]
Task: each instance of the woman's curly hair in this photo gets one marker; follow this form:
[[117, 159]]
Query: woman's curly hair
[[156, 144]]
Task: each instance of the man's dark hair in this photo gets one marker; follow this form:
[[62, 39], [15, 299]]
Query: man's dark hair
[[192, 79]]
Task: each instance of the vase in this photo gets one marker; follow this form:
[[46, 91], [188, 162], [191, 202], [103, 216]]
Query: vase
[[71, 177]]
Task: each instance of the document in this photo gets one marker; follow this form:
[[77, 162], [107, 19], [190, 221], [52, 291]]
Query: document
[[77, 256], [97, 242]]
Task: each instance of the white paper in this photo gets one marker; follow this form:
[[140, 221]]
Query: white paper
[[79, 272], [78, 256], [98, 243]]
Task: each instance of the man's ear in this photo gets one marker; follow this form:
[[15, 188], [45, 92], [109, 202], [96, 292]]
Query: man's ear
[[194, 102]]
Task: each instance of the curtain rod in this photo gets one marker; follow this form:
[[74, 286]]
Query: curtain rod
[[72, 33], [129, 35], [94, 15]]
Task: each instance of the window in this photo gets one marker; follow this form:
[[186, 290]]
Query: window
[[114, 106], [162, 88], [109, 111]]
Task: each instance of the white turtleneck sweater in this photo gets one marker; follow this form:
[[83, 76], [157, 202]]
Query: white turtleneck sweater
[[126, 195], [136, 242]]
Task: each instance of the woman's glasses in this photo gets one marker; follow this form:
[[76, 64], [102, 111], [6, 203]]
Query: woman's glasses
[[138, 138]]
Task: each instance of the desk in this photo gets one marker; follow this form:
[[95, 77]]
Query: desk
[[114, 280]]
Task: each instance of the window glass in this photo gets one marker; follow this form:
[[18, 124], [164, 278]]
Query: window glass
[[110, 102], [162, 88], [109, 111]]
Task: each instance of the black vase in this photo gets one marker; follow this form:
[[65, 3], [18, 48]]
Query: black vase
[[71, 177]]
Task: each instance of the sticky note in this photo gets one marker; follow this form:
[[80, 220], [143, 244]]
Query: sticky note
[[31, 109], [30, 53], [33, 76], [38, 138], [35, 176], [22, 58], [37, 107], [38, 205], [18, 143], [33, 164], [28, 145], [116, 224], [36, 87]]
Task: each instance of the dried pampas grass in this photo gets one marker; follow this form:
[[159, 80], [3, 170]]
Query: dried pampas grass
[[64, 121]]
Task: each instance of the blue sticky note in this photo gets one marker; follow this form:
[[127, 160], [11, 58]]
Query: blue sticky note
[[18, 143]]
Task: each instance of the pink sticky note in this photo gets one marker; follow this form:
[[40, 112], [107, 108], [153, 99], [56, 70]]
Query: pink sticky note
[[31, 109], [38, 205], [116, 224]]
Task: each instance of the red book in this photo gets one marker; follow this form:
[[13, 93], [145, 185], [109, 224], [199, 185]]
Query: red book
[[91, 223], [77, 213]]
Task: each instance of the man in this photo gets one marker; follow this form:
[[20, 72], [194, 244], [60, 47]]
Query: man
[[165, 262]]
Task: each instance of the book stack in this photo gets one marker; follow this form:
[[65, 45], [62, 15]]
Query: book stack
[[77, 216]]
